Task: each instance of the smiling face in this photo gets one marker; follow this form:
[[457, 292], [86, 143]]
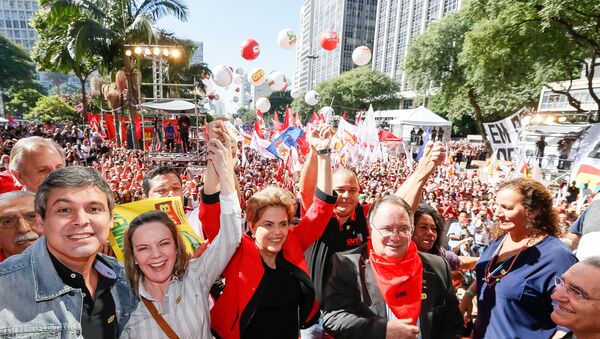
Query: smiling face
[[77, 223], [155, 252], [425, 233], [271, 230], [346, 186], [511, 213], [579, 315], [165, 185], [390, 218]]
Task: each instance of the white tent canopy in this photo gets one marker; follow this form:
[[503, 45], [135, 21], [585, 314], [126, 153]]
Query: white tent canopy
[[402, 121], [169, 105], [419, 116]]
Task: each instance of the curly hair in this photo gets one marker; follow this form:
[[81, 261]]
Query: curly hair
[[439, 222], [537, 200], [269, 197]]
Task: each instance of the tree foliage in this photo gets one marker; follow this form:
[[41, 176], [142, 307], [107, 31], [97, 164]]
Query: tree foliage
[[52, 109], [23, 101], [17, 70], [280, 100], [353, 91]]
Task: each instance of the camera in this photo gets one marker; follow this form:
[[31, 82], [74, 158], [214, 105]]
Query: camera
[[334, 121]]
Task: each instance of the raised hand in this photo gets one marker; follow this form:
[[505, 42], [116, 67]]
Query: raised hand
[[219, 156], [402, 329]]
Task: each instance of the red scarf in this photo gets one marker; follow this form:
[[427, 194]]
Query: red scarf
[[400, 281]]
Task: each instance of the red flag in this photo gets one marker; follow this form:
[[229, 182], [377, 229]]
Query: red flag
[[11, 121], [276, 123], [289, 118], [110, 126], [344, 116], [359, 117], [259, 117], [258, 130], [298, 121], [314, 119], [280, 169]]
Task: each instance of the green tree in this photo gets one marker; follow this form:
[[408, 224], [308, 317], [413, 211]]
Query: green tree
[[538, 41], [353, 91], [101, 29], [436, 66], [52, 109], [23, 101], [279, 101], [247, 115], [17, 70]]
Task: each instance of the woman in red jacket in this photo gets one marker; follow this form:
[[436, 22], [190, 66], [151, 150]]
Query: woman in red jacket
[[268, 292]]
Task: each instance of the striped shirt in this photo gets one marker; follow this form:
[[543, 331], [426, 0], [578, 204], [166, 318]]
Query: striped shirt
[[186, 301]]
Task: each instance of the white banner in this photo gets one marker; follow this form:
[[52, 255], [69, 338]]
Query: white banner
[[503, 135]]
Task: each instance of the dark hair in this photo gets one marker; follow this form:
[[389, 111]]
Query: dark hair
[[536, 199], [439, 222], [393, 200], [132, 269], [71, 177], [156, 171]]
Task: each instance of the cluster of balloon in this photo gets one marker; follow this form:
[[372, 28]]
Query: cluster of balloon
[[361, 55], [263, 104], [311, 98], [295, 93], [256, 76], [286, 38], [250, 49], [223, 75], [276, 81], [329, 40]]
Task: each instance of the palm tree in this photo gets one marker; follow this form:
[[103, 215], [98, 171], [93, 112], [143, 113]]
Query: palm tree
[[102, 28]]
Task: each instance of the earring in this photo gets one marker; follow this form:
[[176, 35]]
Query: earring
[[253, 236]]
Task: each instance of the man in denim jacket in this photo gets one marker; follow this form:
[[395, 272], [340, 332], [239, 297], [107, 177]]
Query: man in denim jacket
[[61, 286]]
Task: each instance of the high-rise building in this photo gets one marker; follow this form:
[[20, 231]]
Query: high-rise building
[[198, 56], [14, 18], [354, 23], [398, 22]]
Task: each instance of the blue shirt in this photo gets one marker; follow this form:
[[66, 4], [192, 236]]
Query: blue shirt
[[519, 305]]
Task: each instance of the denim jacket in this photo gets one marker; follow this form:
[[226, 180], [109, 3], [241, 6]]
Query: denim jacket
[[35, 302]]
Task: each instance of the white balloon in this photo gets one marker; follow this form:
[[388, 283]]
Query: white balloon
[[237, 79], [222, 75], [263, 104], [217, 97], [276, 81], [295, 93], [209, 86], [326, 111], [361, 55], [239, 71], [236, 99], [311, 98], [256, 76], [287, 38]]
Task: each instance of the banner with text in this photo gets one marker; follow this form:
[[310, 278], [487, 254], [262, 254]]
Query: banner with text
[[503, 135]]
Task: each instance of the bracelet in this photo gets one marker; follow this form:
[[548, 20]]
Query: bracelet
[[470, 293], [324, 151]]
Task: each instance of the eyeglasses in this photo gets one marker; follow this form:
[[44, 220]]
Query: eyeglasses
[[387, 232], [12, 221], [572, 291]]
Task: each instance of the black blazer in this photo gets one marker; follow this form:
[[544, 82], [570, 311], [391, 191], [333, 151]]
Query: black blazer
[[354, 306]]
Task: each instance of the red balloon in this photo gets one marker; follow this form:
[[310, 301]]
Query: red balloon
[[329, 40], [237, 89], [212, 97], [250, 49]]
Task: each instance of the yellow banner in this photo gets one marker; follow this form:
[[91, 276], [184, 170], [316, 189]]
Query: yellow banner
[[125, 213]]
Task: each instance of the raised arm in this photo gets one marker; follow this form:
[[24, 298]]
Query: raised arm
[[218, 254], [308, 176], [321, 208], [412, 189]]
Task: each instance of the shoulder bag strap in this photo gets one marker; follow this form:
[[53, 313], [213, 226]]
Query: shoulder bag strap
[[159, 319]]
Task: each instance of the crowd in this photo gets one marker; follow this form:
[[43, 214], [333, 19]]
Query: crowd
[[396, 248]]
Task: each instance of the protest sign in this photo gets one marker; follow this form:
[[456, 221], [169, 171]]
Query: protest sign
[[503, 135]]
